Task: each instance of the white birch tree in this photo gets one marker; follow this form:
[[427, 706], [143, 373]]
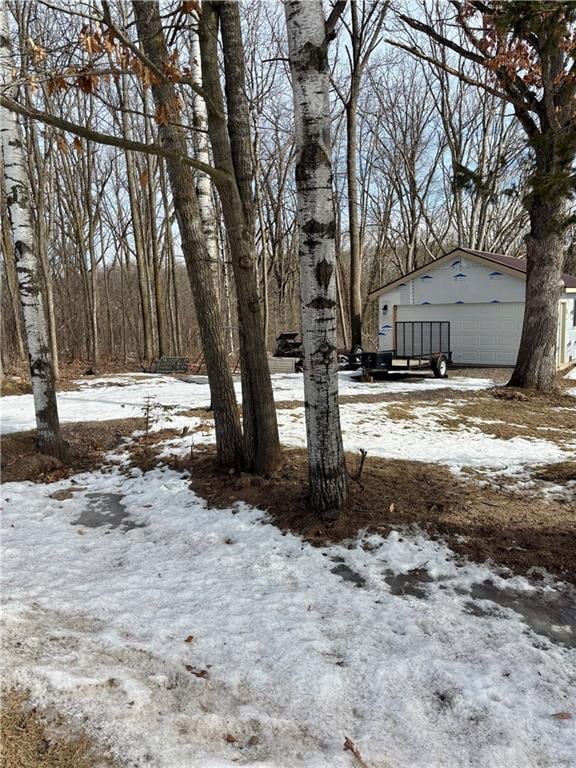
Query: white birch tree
[[28, 268], [202, 153], [308, 34]]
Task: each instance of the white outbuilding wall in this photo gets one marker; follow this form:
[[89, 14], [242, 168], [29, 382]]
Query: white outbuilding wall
[[567, 325], [483, 302]]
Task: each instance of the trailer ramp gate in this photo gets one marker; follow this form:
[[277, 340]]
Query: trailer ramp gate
[[422, 339]]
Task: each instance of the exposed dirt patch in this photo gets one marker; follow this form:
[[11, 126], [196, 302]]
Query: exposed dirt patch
[[513, 530], [197, 413], [400, 412], [35, 739], [88, 442], [14, 385], [561, 473], [143, 451], [548, 417]]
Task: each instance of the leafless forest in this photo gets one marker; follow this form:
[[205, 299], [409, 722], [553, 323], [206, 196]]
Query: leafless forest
[[422, 162]]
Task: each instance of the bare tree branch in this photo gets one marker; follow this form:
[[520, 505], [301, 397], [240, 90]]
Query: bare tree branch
[[334, 17], [104, 138]]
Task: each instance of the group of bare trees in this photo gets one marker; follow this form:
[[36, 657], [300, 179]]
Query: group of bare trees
[[422, 163], [152, 205]]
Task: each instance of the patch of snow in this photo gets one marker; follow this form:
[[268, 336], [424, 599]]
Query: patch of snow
[[284, 656], [96, 400], [423, 438]]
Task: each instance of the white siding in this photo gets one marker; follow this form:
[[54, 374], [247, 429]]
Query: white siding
[[386, 316], [461, 279], [481, 334], [483, 302], [570, 339]]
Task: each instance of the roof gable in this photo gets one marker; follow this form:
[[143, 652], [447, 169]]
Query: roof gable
[[507, 264]]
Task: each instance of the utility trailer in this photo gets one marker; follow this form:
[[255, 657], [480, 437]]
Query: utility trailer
[[418, 345]]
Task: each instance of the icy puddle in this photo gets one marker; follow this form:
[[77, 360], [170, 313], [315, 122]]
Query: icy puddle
[[552, 615], [106, 509]]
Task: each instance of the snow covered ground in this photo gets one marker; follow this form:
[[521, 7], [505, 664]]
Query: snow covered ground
[[364, 425], [207, 639], [426, 439], [120, 397], [186, 637]]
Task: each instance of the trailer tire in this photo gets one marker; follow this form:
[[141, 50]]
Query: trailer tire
[[440, 367]]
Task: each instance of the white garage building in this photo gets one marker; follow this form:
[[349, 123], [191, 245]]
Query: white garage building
[[482, 295]]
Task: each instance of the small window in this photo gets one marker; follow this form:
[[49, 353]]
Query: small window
[[574, 313]]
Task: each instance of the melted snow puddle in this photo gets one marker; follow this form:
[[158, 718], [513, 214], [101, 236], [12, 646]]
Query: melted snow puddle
[[548, 614], [106, 509], [551, 615]]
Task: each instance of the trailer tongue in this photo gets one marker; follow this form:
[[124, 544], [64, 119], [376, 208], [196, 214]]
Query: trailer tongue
[[418, 345]]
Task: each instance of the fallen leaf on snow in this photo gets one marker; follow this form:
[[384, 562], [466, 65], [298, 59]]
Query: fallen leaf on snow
[[562, 715], [189, 639], [196, 671]]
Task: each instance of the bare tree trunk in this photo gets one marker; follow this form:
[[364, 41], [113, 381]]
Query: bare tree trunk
[[341, 311], [28, 267], [43, 193], [231, 147], [150, 208], [170, 262], [364, 36], [226, 416], [353, 220], [141, 258], [308, 52], [536, 363], [263, 241]]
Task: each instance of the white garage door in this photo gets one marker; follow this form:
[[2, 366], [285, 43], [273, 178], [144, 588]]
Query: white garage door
[[481, 334]]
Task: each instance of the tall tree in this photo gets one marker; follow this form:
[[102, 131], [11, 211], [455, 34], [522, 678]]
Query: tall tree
[[202, 152], [308, 53], [172, 137], [364, 30], [28, 265], [229, 130], [530, 50]]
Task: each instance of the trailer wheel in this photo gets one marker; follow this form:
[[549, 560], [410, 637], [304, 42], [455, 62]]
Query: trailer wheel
[[440, 367]]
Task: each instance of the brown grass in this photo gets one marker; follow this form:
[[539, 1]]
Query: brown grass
[[511, 529], [29, 741]]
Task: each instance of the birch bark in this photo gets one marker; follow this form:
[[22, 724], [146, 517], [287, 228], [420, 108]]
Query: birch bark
[[28, 268], [202, 153], [308, 53]]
